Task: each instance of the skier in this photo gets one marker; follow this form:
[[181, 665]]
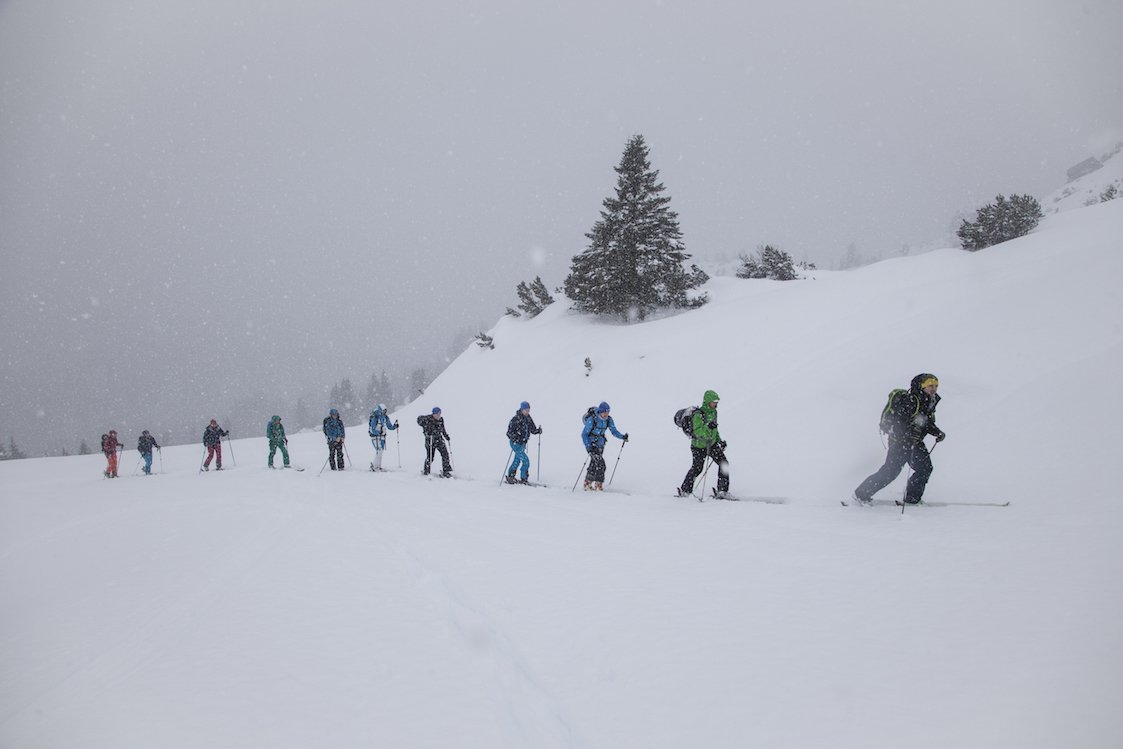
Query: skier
[[433, 425], [275, 431], [334, 432], [593, 435], [212, 440], [518, 432], [707, 442], [909, 418], [379, 423], [144, 446], [109, 447]]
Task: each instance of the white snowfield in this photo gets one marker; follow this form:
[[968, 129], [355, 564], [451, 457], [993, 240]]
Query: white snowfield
[[277, 609]]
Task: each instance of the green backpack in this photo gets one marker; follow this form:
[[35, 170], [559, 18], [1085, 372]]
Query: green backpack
[[889, 418]]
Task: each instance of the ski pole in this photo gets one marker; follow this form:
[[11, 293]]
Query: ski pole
[[579, 475], [325, 465], [203, 459], [909, 475], [617, 462], [538, 461], [399, 439], [230, 447], [503, 476], [160, 451], [137, 466], [704, 473], [348, 452]]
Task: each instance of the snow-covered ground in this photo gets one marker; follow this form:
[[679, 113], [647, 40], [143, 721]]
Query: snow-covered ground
[[277, 609]]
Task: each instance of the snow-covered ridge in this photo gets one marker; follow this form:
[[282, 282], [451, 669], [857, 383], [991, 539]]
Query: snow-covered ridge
[[258, 608]]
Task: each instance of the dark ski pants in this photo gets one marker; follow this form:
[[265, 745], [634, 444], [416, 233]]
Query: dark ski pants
[[214, 451], [335, 454], [597, 466], [700, 454], [521, 460], [900, 452], [432, 447]]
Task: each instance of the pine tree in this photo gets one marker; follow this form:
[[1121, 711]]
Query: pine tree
[[13, 452], [83, 448], [634, 262], [484, 341], [1000, 221], [768, 262]]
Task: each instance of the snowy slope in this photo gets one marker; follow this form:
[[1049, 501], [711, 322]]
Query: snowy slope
[[281, 609]]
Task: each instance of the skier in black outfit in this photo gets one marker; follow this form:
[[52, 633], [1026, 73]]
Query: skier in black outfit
[[433, 425], [910, 418], [335, 433], [144, 446]]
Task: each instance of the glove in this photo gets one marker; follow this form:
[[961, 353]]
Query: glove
[[448, 437], [940, 435], [712, 425], [540, 430], [372, 434], [625, 436], [286, 440], [721, 445], [395, 423]]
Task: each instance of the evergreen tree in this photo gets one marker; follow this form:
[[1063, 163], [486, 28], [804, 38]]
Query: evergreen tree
[[13, 452], [303, 417], [768, 262], [83, 448], [634, 262], [418, 381], [1000, 221], [533, 297], [483, 340]]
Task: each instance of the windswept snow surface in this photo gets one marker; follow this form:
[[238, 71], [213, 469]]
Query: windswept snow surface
[[257, 608]]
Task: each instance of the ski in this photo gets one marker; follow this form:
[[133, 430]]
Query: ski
[[293, 468], [733, 498], [680, 494], [923, 503]]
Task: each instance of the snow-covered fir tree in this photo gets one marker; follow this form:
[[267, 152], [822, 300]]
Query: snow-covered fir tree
[[1000, 221], [533, 297], [634, 263], [768, 262]]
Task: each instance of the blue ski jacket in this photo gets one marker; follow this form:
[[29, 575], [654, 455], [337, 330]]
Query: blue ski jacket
[[593, 433]]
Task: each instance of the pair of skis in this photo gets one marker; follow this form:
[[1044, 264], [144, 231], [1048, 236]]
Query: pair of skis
[[715, 494], [922, 503]]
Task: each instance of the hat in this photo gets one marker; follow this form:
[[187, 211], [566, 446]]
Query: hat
[[276, 418], [145, 432], [603, 408], [214, 422], [523, 406], [923, 380], [436, 410], [113, 431], [333, 412]]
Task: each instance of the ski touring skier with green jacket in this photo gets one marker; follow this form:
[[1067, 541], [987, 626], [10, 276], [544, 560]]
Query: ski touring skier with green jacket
[[706, 442]]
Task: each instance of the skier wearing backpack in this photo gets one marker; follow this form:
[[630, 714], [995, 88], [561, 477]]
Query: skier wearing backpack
[[433, 426], [144, 446], [706, 442], [275, 431], [109, 448], [334, 432], [908, 418], [519, 430], [212, 440], [597, 422], [379, 423]]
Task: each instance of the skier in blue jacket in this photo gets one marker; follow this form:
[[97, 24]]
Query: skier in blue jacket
[[334, 432], [519, 430], [593, 435], [379, 423]]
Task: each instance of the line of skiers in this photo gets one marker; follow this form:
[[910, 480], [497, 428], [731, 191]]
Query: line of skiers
[[111, 447], [908, 417]]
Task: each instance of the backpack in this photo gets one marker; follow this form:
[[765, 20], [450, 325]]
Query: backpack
[[889, 416], [590, 413], [105, 443], [684, 420]]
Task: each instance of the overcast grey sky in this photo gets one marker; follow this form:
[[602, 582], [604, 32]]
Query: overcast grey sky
[[203, 199]]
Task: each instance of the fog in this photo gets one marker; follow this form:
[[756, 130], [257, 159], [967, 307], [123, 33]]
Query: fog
[[205, 202]]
